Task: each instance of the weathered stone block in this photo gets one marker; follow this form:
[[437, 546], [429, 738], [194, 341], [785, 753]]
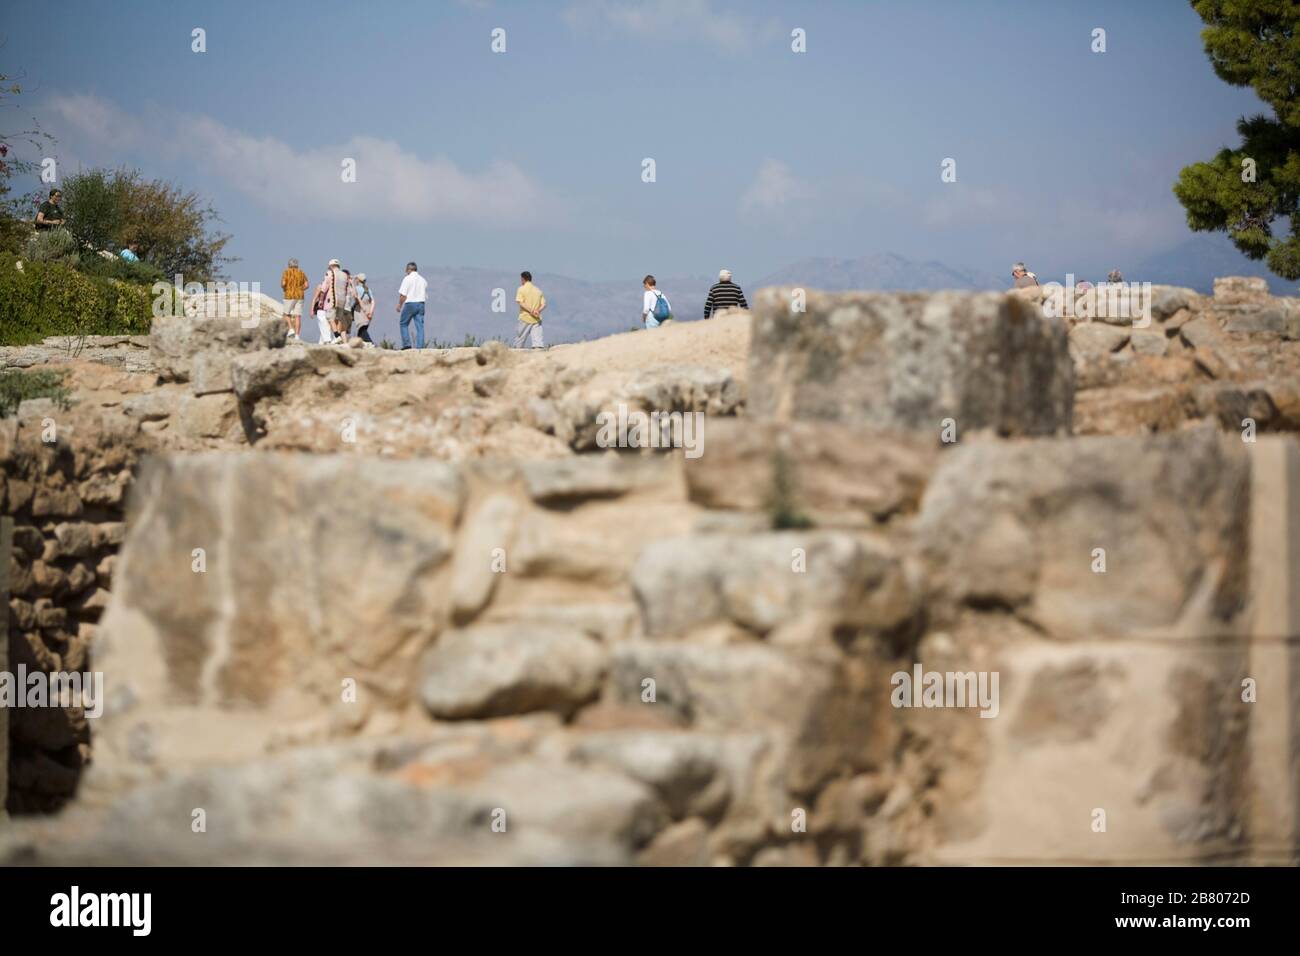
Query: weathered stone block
[[793, 580], [1028, 526], [1239, 290], [502, 669], [175, 342], [828, 473], [911, 360], [262, 583]]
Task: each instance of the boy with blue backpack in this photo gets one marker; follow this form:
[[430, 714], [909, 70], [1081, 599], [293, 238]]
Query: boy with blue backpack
[[655, 309]]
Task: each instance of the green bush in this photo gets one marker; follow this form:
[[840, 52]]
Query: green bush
[[175, 229], [17, 386], [143, 273], [95, 203], [46, 298], [53, 245]]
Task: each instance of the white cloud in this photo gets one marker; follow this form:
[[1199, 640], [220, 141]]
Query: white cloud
[[670, 19], [391, 182], [775, 188]]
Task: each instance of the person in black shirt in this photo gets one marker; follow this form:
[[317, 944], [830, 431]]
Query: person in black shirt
[[51, 213], [725, 294]]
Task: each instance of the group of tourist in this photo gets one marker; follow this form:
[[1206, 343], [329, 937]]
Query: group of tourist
[[723, 294], [1022, 278], [342, 300]]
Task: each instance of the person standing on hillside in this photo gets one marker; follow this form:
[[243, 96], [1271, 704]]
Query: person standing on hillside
[[531, 306], [325, 333], [410, 305], [335, 288], [293, 283], [50, 213], [724, 294], [365, 310], [655, 307], [343, 317], [1022, 277]]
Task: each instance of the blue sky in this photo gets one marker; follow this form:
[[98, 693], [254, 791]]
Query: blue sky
[[532, 158]]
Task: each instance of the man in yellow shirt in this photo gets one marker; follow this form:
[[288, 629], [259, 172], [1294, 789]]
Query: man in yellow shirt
[[531, 305], [294, 284]]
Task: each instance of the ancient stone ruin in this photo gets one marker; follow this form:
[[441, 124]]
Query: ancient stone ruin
[[952, 580]]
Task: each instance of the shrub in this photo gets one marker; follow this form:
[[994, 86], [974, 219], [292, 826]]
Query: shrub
[[95, 203], [471, 341], [47, 298], [17, 386], [53, 245], [143, 273], [109, 208]]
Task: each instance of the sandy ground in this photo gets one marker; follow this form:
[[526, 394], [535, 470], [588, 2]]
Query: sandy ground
[[721, 342]]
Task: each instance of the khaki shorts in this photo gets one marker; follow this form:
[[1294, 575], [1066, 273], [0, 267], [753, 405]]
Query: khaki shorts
[[343, 319], [293, 306]]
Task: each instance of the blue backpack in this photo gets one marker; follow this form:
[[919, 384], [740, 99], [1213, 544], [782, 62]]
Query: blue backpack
[[662, 309]]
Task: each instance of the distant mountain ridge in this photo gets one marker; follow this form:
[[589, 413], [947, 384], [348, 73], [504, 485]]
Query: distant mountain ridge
[[882, 271], [461, 298], [1196, 262]]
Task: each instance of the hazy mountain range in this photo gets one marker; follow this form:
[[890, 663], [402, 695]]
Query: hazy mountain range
[[461, 298]]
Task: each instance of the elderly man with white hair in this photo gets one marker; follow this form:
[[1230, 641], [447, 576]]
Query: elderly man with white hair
[[724, 294], [1022, 277]]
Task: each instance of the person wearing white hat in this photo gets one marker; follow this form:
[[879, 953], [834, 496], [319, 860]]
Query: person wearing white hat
[[724, 294], [332, 296]]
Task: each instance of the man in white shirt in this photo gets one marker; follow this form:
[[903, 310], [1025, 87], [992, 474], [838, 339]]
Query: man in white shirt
[[410, 305], [648, 303]]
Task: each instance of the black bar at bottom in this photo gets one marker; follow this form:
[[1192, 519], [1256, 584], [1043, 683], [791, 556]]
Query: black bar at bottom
[[976, 906]]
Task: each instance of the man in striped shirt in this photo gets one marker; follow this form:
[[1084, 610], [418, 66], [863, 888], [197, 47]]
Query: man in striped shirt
[[725, 294]]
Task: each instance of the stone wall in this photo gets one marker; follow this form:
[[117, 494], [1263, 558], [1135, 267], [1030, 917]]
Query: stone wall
[[1221, 358], [378, 647], [63, 482], [500, 622]]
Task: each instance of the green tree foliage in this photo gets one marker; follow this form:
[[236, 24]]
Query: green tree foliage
[[1245, 191], [95, 203], [110, 208], [17, 131]]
